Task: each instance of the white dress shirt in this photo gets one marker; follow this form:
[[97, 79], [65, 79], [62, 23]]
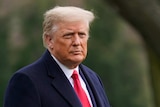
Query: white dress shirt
[[68, 72]]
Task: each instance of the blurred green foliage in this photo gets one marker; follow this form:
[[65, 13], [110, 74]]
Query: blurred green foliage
[[119, 59]]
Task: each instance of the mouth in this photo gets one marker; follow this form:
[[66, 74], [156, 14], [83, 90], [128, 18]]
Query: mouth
[[77, 52]]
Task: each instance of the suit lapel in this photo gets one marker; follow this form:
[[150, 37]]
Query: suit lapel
[[62, 85], [60, 81], [85, 78], [96, 99]]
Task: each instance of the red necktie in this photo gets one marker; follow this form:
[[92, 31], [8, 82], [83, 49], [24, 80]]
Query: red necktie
[[79, 90]]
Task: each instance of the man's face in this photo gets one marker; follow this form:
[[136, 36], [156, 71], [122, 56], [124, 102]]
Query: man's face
[[69, 43]]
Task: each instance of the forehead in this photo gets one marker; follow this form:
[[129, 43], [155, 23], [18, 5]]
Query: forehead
[[77, 25]]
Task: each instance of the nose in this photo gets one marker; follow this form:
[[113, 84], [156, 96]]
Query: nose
[[76, 40]]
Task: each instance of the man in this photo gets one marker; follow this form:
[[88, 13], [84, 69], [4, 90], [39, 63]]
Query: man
[[50, 81]]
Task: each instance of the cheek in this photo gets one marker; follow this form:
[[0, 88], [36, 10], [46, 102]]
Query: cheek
[[85, 44], [85, 47], [63, 47]]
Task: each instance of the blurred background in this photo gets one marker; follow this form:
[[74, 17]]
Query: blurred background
[[121, 49]]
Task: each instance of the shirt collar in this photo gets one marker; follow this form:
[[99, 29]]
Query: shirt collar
[[68, 72]]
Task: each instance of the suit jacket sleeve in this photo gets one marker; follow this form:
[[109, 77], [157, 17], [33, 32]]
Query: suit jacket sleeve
[[21, 92]]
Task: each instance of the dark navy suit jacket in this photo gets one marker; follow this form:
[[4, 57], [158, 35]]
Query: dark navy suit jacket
[[43, 84]]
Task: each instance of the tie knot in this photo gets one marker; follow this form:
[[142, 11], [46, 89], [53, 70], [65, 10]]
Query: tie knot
[[75, 74]]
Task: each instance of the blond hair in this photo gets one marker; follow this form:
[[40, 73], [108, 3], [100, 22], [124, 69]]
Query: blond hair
[[64, 14]]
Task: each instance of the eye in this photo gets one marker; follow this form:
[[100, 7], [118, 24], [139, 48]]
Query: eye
[[68, 35], [82, 34]]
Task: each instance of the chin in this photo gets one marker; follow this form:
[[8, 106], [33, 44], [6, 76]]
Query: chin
[[78, 58]]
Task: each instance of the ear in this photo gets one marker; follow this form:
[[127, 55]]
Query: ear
[[49, 41]]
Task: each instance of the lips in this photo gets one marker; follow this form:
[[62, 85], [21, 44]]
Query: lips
[[77, 52]]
